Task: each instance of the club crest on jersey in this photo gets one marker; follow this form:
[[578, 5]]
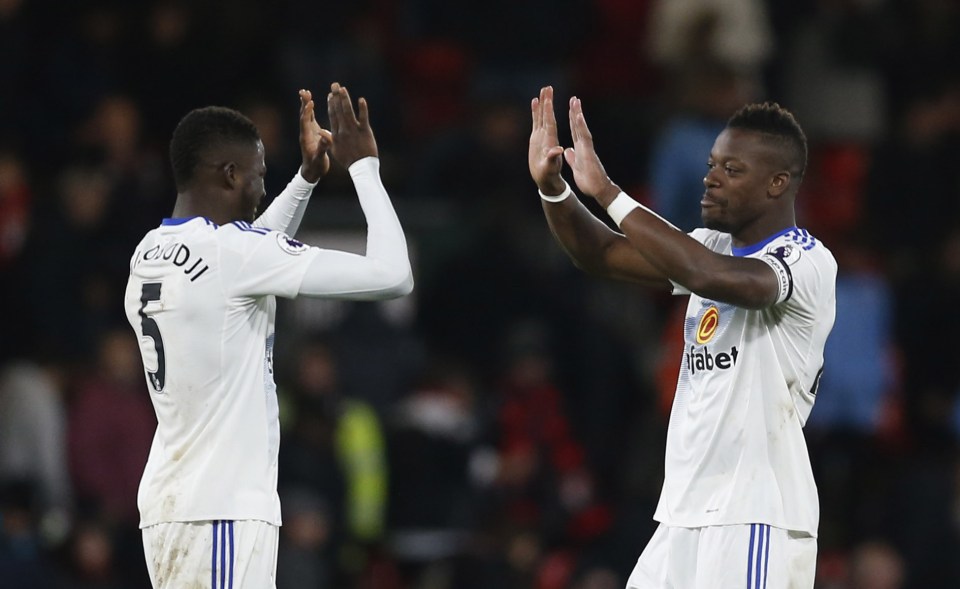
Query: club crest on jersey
[[709, 322], [788, 253], [291, 245]]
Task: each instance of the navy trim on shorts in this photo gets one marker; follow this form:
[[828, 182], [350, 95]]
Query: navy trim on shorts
[[223, 528], [759, 554]]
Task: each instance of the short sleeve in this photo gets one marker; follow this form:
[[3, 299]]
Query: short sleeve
[[784, 276], [806, 277], [709, 239]]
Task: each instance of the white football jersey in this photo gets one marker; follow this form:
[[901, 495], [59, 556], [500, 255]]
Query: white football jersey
[[735, 451], [201, 299]]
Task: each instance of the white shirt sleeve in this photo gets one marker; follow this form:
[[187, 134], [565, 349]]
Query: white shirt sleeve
[[286, 211], [256, 261], [384, 272], [703, 236]]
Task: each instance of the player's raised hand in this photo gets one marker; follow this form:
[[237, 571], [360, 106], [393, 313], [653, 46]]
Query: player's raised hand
[[588, 172], [315, 141], [545, 154], [352, 137]]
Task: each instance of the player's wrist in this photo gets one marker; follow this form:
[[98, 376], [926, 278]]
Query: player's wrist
[[310, 174], [621, 206], [364, 165], [556, 192], [607, 193]]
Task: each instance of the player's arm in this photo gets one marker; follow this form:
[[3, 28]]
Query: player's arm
[[384, 272], [745, 282], [286, 211], [593, 247]]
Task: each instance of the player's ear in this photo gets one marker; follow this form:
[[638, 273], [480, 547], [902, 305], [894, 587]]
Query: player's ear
[[779, 183], [229, 174]]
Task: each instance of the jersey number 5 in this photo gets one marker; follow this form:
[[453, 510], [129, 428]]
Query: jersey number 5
[[149, 328]]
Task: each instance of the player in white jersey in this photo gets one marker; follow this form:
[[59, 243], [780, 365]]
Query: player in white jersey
[[201, 298], [739, 504]]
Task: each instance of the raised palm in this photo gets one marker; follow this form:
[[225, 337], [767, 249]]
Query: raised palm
[[545, 156]]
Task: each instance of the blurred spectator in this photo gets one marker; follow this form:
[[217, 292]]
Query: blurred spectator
[[919, 46], [920, 513], [929, 389], [491, 146], [89, 53], [72, 301], [858, 397], [22, 551], [110, 428], [382, 333], [168, 46], [514, 66], [439, 467], [111, 139], [303, 557], [91, 559], [706, 94], [33, 440], [876, 565], [543, 480], [737, 33], [16, 204], [335, 449], [598, 578], [859, 376], [912, 182], [832, 75]]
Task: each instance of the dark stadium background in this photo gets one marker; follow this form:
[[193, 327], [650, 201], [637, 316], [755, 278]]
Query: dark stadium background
[[508, 418]]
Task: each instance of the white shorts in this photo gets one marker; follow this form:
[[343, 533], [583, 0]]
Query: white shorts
[[216, 554], [755, 556]]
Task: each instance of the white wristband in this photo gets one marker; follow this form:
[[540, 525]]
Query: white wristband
[[560, 197], [621, 207]]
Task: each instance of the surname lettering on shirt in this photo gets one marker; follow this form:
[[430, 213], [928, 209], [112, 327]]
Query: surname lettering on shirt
[[176, 253]]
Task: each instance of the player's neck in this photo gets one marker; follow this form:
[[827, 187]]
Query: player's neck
[[763, 228], [189, 205]]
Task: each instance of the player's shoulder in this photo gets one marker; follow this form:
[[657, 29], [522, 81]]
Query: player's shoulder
[[243, 228], [242, 235], [717, 241], [798, 246]]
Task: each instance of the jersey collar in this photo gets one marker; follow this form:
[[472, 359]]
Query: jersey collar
[[751, 249], [182, 220]]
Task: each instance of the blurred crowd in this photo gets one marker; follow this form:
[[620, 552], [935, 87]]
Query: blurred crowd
[[504, 425]]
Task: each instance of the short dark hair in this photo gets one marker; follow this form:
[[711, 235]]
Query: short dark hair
[[779, 126], [202, 130]]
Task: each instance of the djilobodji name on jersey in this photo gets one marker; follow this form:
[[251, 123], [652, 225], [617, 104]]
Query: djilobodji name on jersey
[[179, 255], [701, 360]]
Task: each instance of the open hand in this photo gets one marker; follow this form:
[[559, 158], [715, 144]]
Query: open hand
[[315, 141], [544, 155], [352, 137], [588, 172]]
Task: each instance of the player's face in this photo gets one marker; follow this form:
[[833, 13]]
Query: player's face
[[739, 172], [251, 170]]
